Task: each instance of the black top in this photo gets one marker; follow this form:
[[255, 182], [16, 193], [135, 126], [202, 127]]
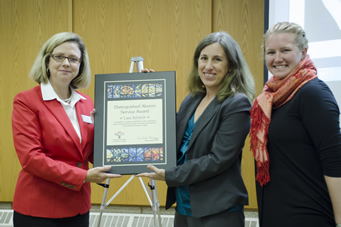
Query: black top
[[304, 144]]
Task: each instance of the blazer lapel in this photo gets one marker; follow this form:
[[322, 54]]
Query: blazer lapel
[[205, 117], [58, 111], [182, 122]]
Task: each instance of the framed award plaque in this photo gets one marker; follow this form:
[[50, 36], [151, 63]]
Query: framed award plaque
[[135, 121]]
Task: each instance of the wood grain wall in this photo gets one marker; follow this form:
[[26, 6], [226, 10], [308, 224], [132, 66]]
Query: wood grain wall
[[164, 32]]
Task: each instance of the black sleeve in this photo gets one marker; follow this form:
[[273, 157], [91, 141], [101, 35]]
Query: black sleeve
[[320, 115]]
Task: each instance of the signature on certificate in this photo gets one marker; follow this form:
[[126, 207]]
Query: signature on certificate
[[148, 138]]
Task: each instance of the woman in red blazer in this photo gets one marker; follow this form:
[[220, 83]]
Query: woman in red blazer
[[53, 137]]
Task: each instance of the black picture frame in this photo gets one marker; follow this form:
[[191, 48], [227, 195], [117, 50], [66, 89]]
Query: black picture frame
[[135, 121]]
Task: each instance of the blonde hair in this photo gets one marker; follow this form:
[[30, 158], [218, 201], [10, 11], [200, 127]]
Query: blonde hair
[[301, 40], [39, 69], [238, 78]]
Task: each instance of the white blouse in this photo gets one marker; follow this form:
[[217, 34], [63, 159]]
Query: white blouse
[[69, 107]]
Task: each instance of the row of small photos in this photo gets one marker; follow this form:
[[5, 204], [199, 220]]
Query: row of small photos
[[134, 91], [118, 155]]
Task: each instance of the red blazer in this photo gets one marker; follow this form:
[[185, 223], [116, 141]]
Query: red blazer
[[54, 161]]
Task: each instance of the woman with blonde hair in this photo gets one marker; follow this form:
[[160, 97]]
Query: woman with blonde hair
[[53, 136], [295, 137]]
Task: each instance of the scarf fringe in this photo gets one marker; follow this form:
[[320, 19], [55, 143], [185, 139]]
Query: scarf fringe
[[263, 176], [260, 122]]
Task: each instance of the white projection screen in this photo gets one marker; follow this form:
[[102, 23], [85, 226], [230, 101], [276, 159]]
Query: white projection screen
[[321, 19]]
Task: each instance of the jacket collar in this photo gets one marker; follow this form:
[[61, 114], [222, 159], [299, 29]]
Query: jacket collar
[[205, 117], [48, 93]]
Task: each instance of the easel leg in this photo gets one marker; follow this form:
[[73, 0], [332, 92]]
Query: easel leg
[[154, 203], [103, 204]]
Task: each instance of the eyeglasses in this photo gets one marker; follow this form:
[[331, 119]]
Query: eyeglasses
[[61, 58]]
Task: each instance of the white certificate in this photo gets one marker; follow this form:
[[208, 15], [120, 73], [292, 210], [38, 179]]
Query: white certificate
[[131, 122]]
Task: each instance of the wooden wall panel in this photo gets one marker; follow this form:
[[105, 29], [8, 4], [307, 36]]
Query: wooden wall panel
[[164, 32], [244, 21], [24, 27]]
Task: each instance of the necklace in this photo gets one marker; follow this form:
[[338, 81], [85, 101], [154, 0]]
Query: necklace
[[67, 100]]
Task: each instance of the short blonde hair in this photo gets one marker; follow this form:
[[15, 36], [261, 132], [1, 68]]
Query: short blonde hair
[[301, 40], [39, 69], [238, 78]]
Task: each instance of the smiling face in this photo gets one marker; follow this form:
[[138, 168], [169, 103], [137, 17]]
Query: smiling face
[[62, 73], [212, 67], [282, 54]]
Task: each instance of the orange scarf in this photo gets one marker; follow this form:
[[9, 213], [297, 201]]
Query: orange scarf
[[276, 93]]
